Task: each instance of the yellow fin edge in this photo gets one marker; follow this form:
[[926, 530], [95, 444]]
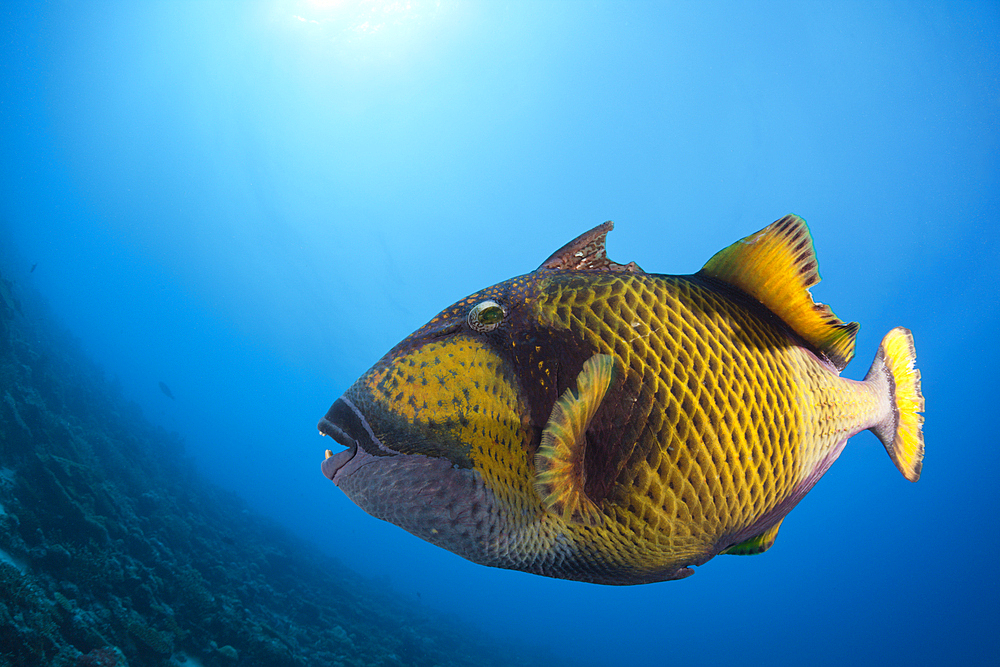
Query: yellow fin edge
[[901, 430], [560, 473], [777, 266]]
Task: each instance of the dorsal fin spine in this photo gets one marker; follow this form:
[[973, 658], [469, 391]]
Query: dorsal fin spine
[[587, 252]]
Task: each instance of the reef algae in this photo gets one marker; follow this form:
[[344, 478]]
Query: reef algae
[[115, 552]]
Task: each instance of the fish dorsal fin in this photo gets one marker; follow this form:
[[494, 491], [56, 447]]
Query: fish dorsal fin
[[777, 266], [757, 544], [560, 472], [587, 252]]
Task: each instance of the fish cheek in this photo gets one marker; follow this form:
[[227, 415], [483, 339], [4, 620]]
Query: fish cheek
[[429, 497], [454, 417]]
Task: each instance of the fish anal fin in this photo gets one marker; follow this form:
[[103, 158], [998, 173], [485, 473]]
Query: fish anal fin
[[560, 470], [587, 252], [777, 266], [757, 544]]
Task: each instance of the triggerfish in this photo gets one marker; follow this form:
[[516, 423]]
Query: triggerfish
[[592, 421]]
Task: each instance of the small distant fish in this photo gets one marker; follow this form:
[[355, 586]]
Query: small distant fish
[[592, 421], [166, 391], [32, 270]]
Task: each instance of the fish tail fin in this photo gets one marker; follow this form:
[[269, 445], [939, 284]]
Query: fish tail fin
[[896, 378]]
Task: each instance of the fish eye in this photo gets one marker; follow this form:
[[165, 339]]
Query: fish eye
[[486, 316]]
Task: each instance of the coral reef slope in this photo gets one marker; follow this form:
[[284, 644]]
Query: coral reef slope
[[113, 551]]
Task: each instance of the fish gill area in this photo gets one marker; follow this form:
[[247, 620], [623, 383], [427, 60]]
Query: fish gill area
[[114, 551]]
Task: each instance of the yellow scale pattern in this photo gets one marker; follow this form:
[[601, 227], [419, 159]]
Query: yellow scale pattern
[[735, 414], [732, 415]]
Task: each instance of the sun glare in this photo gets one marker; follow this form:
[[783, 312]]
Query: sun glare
[[358, 18]]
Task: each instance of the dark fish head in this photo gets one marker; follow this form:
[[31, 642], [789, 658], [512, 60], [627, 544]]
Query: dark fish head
[[440, 435], [437, 432]]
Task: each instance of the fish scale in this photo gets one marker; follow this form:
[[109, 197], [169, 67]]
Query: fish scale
[[700, 467], [592, 421]]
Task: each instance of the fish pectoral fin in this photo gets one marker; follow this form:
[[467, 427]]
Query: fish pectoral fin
[[757, 544], [560, 470], [777, 266]]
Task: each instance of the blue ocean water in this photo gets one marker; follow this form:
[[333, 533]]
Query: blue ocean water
[[253, 201]]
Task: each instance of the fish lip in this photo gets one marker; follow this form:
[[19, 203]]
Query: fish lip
[[346, 424], [326, 427], [333, 463]]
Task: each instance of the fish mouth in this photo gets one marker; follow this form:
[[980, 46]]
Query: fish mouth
[[345, 423]]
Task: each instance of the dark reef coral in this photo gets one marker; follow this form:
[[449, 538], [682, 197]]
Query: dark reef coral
[[114, 552]]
